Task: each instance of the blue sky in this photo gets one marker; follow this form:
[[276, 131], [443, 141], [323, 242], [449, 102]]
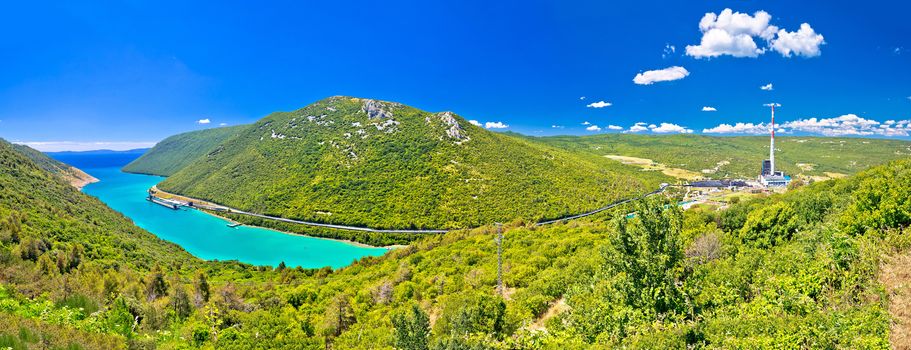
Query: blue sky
[[113, 74]]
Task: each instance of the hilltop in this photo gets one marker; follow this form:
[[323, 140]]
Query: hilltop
[[381, 164], [178, 151], [74, 176], [737, 156]]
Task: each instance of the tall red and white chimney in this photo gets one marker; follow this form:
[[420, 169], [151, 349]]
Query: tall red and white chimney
[[772, 144]]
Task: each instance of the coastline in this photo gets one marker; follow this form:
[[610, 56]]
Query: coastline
[[80, 183], [80, 179], [169, 195]]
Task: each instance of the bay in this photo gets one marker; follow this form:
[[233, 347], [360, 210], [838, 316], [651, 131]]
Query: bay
[[207, 236]]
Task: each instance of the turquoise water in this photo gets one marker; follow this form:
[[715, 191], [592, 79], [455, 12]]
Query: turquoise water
[[208, 237]]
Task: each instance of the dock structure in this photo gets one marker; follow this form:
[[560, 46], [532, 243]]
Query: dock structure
[[167, 203]]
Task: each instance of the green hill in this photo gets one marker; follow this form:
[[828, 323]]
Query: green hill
[[381, 164], [51, 210], [69, 173], [178, 151], [741, 156], [801, 269]]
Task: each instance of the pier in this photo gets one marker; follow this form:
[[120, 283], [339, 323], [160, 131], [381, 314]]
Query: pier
[[167, 203]]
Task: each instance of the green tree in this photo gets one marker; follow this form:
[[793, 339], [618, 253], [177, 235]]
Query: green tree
[[412, 332], [338, 316], [202, 288], [119, 319], [647, 250], [47, 266], [769, 225], [474, 314], [301, 296], [75, 256], [156, 286], [180, 302], [881, 200]]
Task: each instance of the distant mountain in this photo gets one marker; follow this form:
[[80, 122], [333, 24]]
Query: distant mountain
[[101, 151], [382, 164], [69, 173], [178, 151]]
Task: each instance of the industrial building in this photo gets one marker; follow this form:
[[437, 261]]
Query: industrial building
[[767, 175]]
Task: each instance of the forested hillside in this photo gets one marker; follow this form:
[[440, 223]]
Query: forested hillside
[[71, 174], [797, 270], [741, 156], [364, 162], [178, 151]]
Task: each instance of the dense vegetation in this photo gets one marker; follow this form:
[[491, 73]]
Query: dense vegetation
[[385, 165], [178, 151], [69, 173], [796, 270], [741, 156]]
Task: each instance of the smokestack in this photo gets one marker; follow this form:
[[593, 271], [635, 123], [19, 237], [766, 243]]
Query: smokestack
[[772, 144]]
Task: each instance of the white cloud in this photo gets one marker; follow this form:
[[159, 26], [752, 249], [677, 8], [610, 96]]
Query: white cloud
[[767, 87], [581, 98], [731, 33], [495, 125], [734, 33], [599, 104], [593, 128], [739, 128], [614, 127], [804, 42], [845, 125], [203, 121], [222, 124], [638, 127], [667, 128], [909, 97], [668, 50], [662, 128], [666, 74], [717, 42], [709, 109], [474, 122], [586, 123], [59, 146], [556, 126]]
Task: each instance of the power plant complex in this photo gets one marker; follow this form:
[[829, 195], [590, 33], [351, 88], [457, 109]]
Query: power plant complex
[[768, 176]]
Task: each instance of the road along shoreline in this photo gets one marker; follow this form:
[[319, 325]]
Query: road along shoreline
[[207, 205]]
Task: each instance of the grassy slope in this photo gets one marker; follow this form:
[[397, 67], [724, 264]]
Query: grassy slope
[[69, 173], [813, 286], [330, 162], [792, 270], [178, 151], [52, 210], [745, 153]]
